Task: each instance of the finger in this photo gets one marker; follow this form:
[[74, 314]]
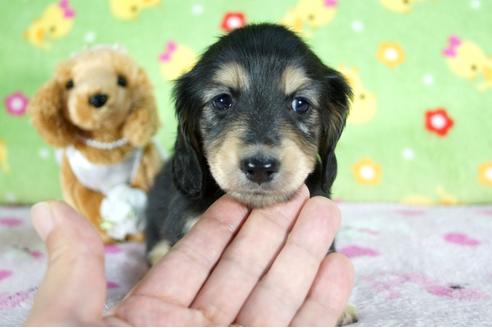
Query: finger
[[246, 259], [281, 292], [178, 277], [74, 286], [329, 294]]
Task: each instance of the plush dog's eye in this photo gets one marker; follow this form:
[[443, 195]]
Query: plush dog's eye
[[122, 82], [300, 105], [69, 84], [222, 102]]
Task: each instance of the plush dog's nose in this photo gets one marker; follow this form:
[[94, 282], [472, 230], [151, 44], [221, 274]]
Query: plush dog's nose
[[258, 169], [98, 100]]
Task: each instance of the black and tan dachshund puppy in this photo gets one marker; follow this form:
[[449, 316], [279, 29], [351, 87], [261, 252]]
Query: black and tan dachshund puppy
[[259, 115]]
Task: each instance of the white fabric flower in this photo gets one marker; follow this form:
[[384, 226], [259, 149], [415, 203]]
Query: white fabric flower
[[122, 211]]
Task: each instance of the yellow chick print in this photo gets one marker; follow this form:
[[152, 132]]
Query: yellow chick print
[[4, 165], [55, 23], [310, 14], [176, 60], [467, 60], [130, 9], [441, 196], [363, 104], [398, 6]]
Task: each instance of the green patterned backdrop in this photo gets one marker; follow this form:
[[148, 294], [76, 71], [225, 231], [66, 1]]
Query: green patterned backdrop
[[420, 130]]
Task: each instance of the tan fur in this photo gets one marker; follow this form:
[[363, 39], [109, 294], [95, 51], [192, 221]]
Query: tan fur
[[149, 165], [190, 223], [293, 78], [85, 200], [64, 117], [232, 75], [348, 317], [298, 160], [159, 250]]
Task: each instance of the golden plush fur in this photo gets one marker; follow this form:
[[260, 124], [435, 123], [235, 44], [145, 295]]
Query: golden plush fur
[[63, 115]]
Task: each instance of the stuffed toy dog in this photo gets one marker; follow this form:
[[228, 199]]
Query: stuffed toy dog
[[99, 110]]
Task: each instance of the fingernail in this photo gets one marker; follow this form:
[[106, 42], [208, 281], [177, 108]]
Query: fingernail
[[42, 219]]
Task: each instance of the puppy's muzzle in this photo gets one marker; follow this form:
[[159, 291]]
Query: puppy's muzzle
[[98, 100], [260, 169]]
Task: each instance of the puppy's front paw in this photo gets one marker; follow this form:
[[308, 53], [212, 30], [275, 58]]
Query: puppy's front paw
[[348, 317], [158, 252]]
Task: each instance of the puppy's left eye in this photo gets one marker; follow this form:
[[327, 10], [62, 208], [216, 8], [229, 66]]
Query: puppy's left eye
[[122, 82], [222, 102], [300, 105]]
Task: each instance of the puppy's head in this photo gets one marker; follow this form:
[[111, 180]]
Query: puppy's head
[[261, 112]]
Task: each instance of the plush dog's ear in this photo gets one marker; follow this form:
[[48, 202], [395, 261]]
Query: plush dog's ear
[[47, 109], [336, 94], [189, 164], [143, 121]]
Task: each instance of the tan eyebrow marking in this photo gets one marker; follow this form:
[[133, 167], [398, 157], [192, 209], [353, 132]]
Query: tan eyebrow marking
[[292, 79], [232, 75]]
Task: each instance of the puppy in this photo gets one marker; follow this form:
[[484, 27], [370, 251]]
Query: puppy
[[258, 116]]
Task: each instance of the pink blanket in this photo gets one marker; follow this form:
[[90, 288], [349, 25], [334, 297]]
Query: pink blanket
[[415, 265]]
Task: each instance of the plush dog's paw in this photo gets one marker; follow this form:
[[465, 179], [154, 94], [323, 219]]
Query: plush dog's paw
[[159, 250], [348, 317]]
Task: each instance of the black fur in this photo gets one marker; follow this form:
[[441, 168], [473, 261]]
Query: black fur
[[185, 186]]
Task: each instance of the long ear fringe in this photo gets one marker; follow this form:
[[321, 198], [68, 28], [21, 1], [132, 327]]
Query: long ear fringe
[[188, 163], [46, 110], [339, 95], [187, 170]]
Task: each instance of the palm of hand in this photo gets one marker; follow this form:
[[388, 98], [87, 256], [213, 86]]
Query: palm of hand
[[265, 267]]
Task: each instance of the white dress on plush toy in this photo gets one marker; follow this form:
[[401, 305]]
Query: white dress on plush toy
[[123, 207]]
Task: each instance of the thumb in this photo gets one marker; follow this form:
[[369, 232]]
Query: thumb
[[73, 289]]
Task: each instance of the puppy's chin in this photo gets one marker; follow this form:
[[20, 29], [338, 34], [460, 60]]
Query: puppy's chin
[[260, 199]]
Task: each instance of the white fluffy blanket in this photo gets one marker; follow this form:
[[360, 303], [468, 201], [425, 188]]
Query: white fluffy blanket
[[416, 266]]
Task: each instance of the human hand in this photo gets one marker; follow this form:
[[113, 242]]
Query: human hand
[[264, 267]]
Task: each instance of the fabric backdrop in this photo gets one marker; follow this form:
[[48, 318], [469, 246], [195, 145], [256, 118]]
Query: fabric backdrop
[[421, 120]]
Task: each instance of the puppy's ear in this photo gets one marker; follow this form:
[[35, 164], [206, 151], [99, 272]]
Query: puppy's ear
[[189, 165], [336, 94], [143, 121], [47, 109]]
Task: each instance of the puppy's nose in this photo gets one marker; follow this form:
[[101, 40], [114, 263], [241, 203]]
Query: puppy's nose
[[258, 169], [98, 100]]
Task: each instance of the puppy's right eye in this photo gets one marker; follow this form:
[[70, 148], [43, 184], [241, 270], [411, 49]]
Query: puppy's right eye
[[69, 84], [300, 105], [222, 102]]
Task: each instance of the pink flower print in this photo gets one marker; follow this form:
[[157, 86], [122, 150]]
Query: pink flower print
[[4, 274], [36, 254], [356, 251], [330, 3], [453, 44], [112, 249], [460, 239], [10, 222], [410, 212], [68, 11], [13, 300], [112, 285], [16, 103], [166, 56]]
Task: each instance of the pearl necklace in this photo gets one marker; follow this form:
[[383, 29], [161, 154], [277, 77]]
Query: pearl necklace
[[105, 145]]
